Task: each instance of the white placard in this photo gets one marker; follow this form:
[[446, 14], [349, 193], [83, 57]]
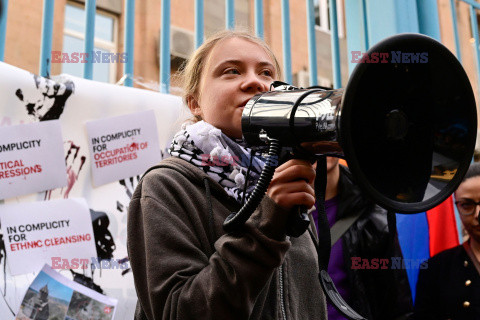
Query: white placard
[[41, 232], [76, 102], [31, 158], [123, 146], [52, 296]]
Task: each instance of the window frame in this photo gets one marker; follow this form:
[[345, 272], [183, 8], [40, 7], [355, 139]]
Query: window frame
[[99, 43], [323, 13]]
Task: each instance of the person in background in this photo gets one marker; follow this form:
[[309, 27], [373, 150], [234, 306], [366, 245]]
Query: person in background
[[450, 287], [184, 264], [358, 260]]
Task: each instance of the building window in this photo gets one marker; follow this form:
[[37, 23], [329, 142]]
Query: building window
[[322, 16], [74, 41]]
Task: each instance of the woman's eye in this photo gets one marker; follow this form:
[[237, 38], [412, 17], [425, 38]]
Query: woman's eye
[[267, 73], [232, 71]]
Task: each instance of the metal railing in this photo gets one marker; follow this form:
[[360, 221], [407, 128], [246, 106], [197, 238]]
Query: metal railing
[[473, 6], [3, 27], [90, 6], [259, 31]]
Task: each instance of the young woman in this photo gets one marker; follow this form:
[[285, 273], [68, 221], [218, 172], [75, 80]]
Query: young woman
[[185, 266], [449, 288]]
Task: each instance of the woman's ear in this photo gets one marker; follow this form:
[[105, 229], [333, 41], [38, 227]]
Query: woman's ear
[[194, 106]]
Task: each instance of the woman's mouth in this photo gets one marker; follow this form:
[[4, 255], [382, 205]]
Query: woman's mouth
[[243, 104]]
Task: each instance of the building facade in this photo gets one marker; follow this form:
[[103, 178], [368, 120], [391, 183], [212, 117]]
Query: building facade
[[23, 38]]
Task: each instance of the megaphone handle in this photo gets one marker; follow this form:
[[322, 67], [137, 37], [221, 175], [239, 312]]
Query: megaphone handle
[[298, 222]]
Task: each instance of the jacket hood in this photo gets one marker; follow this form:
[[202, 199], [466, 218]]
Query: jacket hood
[[192, 172]]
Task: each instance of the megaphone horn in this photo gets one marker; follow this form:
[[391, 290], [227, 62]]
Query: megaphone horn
[[406, 129]]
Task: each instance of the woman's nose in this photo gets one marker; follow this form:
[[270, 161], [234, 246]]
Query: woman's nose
[[254, 82]]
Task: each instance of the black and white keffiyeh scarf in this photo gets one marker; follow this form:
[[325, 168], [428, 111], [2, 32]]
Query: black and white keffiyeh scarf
[[223, 159]]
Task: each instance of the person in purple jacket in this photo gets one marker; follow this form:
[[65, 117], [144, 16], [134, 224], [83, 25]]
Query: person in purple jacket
[[361, 260]]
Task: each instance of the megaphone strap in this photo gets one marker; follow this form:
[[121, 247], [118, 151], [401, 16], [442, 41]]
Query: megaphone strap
[[294, 110], [324, 239], [335, 298], [324, 245]]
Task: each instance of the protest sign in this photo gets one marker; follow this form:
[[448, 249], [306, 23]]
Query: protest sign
[[74, 103], [31, 158], [122, 146], [52, 296], [34, 233]]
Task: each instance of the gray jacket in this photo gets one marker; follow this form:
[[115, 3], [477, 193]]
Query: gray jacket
[[186, 267]]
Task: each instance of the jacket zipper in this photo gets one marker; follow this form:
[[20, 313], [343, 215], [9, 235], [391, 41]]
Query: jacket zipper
[[282, 297]]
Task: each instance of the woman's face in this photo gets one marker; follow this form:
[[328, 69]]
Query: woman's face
[[470, 189], [235, 71]]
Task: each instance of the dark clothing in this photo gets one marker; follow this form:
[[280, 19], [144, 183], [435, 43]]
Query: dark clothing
[[449, 288], [377, 293], [186, 267], [337, 269]]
